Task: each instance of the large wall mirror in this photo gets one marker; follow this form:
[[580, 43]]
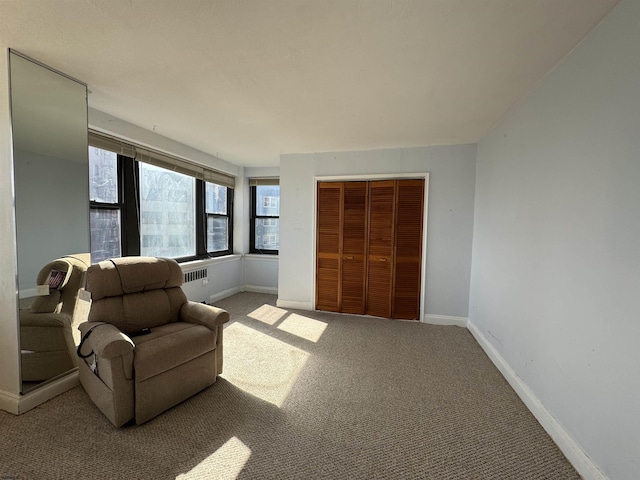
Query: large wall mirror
[[50, 154]]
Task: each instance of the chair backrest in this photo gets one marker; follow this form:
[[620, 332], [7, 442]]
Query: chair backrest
[[63, 296], [133, 293]]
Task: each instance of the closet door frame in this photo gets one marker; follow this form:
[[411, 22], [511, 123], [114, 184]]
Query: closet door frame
[[375, 177]]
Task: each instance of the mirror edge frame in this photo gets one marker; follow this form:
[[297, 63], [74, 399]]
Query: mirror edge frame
[[10, 377], [44, 65], [31, 398]]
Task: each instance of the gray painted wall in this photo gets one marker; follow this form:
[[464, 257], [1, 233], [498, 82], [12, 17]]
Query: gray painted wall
[[556, 250], [52, 212], [450, 217]]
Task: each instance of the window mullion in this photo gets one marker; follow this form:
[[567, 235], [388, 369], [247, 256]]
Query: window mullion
[[130, 212], [201, 219]]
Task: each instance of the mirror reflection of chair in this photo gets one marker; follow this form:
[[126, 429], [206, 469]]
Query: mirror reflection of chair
[[48, 328], [148, 347]]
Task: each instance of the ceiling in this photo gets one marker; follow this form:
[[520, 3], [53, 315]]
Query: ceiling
[[249, 80]]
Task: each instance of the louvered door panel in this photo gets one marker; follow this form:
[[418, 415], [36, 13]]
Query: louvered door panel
[[380, 250], [406, 294], [328, 242], [329, 217], [354, 241], [408, 249]]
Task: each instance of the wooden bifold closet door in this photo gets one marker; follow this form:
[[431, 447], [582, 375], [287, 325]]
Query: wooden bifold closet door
[[354, 248], [408, 249], [328, 246], [369, 247], [380, 258]]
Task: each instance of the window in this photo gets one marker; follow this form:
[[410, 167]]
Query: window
[[218, 215], [148, 205], [105, 204], [265, 216]]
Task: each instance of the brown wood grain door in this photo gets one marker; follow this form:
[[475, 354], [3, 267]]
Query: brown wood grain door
[[408, 249], [380, 252], [328, 246], [369, 247], [354, 247]]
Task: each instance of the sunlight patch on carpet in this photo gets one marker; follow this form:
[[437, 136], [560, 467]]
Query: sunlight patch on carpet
[[260, 364], [267, 314], [226, 463], [303, 327]]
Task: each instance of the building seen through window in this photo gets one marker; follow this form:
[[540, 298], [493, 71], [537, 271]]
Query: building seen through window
[[167, 213]]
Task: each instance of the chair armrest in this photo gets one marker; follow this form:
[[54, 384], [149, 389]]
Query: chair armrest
[[33, 319], [105, 340], [207, 315]]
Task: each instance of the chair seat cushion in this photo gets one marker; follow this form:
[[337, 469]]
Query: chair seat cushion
[[168, 346]]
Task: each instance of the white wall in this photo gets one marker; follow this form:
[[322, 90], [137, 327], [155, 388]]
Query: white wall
[[261, 273], [450, 218], [9, 351], [109, 124], [224, 278], [556, 253], [232, 274]]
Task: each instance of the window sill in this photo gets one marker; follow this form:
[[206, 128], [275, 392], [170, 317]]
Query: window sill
[[205, 262], [261, 256]]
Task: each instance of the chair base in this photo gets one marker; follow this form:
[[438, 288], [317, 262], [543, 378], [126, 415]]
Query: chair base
[[148, 399], [158, 394]]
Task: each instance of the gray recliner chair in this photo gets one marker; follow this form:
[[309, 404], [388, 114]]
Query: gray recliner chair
[[48, 328], [148, 347]]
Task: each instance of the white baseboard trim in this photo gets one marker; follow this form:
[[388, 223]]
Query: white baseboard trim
[[47, 392], [294, 304], [242, 288], [225, 293], [9, 402], [571, 449], [259, 289], [445, 320], [19, 404]]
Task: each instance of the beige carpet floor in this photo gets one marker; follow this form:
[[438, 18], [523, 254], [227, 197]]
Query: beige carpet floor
[[306, 395]]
